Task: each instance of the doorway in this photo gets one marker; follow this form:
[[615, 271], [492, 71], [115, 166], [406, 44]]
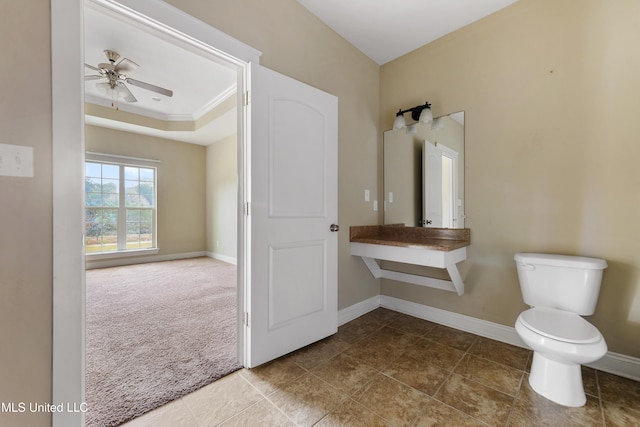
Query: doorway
[[160, 177], [69, 150]]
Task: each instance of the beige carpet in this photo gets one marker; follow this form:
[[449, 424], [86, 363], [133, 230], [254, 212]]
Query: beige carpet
[[155, 332]]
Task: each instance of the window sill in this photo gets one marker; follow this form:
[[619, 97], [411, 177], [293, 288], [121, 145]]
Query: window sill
[[121, 254]]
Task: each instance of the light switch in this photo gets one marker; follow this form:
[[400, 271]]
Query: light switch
[[375, 205], [16, 160], [367, 195]]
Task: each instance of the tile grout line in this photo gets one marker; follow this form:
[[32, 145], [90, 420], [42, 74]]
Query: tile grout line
[[388, 324], [245, 409], [188, 408], [515, 397], [308, 371], [602, 416], [453, 370], [425, 335], [350, 396], [265, 397], [467, 352]]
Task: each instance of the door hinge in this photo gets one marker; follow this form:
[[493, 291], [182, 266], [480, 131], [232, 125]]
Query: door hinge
[[246, 209], [247, 98], [246, 319]]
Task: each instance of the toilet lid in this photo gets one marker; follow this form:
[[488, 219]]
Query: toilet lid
[[560, 325]]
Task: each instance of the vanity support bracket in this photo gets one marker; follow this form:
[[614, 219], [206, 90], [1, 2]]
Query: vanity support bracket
[[418, 256], [456, 279]]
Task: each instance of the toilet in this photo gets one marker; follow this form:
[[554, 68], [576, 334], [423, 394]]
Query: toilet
[[560, 289]]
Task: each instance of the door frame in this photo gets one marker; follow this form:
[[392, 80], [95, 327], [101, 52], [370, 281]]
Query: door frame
[[68, 153]]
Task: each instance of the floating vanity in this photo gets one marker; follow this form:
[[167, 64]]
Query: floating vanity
[[429, 247]]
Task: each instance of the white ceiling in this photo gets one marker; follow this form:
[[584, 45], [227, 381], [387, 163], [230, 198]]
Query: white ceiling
[[199, 83], [385, 30], [382, 29]]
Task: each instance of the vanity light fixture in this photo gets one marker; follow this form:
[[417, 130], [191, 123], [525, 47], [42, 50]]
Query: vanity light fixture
[[420, 113]]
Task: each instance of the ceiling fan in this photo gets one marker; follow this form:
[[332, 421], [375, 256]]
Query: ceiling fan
[[116, 79]]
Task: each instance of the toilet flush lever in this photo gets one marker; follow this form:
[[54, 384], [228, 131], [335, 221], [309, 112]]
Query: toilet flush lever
[[529, 267]]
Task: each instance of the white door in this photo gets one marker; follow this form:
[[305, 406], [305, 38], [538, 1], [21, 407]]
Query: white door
[[292, 253], [449, 186], [440, 172], [432, 185]]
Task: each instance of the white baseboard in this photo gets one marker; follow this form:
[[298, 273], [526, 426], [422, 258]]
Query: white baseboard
[[221, 257], [614, 363], [353, 312], [619, 364], [462, 322], [115, 262]]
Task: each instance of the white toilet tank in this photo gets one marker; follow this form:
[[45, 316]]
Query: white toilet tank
[[564, 282]]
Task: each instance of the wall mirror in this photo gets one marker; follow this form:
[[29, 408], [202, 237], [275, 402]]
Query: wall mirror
[[424, 173]]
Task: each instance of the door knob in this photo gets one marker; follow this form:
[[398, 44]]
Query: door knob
[[334, 227]]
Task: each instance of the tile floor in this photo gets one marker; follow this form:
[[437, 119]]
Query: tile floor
[[390, 369]]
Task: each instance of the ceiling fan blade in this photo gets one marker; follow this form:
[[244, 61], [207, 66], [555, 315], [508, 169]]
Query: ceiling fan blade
[[106, 66], [125, 66], [124, 91], [92, 77], [150, 87], [92, 67]]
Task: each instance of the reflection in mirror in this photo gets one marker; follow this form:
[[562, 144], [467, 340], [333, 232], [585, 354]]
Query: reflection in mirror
[[424, 174]]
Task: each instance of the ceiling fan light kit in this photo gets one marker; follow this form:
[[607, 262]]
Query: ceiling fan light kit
[[116, 78]]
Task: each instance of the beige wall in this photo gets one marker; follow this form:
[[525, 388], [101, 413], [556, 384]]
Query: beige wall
[[222, 197], [295, 43], [181, 184], [26, 266], [549, 89]]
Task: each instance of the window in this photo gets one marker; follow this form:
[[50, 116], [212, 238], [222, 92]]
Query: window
[[120, 207]]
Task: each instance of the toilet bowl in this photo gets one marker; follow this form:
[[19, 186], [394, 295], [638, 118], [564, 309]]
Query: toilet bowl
[[562, 341], [560, 289]]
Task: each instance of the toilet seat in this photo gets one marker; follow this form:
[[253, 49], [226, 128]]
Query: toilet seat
[[559, 325]]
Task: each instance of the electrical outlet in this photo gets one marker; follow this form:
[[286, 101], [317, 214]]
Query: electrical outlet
[[16, 160]]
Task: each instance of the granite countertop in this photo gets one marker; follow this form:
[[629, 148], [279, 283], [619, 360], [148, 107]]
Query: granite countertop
[[438, 239]]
